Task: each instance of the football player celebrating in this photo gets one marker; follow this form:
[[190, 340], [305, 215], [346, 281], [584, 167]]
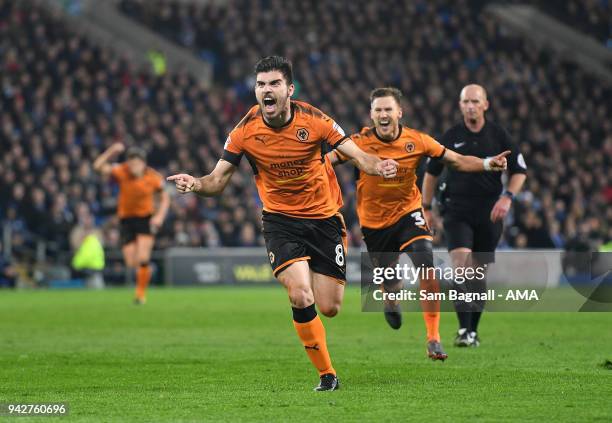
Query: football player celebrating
[[138, 184], [390, 211], [304, 233]]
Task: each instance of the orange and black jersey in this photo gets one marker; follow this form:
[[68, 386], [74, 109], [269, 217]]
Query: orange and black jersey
[[382, 202], [291, 173], [136, 193]]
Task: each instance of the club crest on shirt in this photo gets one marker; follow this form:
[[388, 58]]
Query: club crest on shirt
[[409, 147], [302, 134], [271, 255]]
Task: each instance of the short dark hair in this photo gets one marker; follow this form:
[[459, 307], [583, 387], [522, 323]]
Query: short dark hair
[[136, 153], [276, 63], [386, 92]]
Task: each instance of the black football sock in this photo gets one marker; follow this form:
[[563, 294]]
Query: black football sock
[[479, 286]]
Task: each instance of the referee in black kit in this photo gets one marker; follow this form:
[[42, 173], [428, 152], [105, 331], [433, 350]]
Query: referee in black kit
[[474, 205]]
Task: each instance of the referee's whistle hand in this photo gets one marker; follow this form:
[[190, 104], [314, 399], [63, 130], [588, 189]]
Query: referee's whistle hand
[[500, 162]]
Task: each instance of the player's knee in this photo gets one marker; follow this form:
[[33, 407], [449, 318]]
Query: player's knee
[[130, 264], [144, 257], [461, 260], [461, 257], [329, 310], [421, 253], [392, 285], [301, 297]]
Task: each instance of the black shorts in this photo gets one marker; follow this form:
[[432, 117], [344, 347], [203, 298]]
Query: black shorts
[[320, 241], [472, 228], [130, 227], [397, 238]]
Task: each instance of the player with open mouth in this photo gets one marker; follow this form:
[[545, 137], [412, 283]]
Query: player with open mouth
[[304, 232], [391, 214]]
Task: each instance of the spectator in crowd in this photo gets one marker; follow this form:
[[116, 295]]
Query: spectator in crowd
[[86, 242], [592, 17]]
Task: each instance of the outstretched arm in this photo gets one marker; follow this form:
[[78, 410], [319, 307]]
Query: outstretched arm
[[101, 164], [475, 164], [208, 186], [368, 163]]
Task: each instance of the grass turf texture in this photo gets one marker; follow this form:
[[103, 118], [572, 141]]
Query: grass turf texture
[[232, 354]]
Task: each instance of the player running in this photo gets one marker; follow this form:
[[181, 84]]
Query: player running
[[390, 211], [305, 236], [138, 185]]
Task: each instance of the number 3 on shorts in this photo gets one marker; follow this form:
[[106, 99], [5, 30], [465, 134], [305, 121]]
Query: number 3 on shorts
[[418, 218], [339, 255]]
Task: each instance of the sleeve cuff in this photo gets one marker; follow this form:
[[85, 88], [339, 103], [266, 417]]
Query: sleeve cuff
[[233, 158], [340, 141]]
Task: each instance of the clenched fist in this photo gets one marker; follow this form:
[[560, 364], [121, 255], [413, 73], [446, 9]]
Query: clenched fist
[[387, 168]]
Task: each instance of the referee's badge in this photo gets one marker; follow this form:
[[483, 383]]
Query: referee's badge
[[521, 161], [271, 255], [410, 147]]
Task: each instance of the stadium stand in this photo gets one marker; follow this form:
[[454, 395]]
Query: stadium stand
[[64, 100], [593, 17], [430, 50]]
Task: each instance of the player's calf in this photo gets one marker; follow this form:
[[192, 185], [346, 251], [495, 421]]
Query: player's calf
[[328, 293]]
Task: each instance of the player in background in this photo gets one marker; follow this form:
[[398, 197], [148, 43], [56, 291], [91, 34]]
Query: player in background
[[474, 204], [305, 235], [138, 185], [390, 212]]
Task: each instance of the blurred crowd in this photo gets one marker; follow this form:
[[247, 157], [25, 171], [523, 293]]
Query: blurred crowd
[[64, 100], [429, 49], [593, 17]]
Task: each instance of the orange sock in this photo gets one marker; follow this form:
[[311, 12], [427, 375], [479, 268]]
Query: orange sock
[[143, 276], [431, 310], [311, 331]]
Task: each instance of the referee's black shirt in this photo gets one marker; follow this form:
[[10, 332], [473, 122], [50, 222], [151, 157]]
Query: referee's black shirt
[[467, 188]]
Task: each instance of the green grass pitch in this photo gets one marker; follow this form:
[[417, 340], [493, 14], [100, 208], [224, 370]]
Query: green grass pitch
[[231, 354]]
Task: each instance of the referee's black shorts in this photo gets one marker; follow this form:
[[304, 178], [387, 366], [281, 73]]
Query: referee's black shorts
[[320, 241], [469, 226]]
